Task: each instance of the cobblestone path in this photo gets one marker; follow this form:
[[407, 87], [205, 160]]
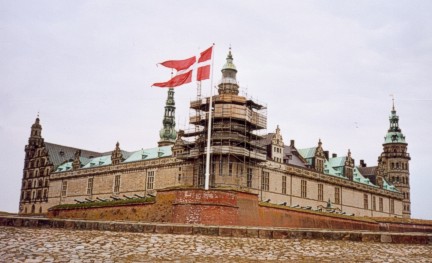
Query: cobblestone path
[[61, 245]]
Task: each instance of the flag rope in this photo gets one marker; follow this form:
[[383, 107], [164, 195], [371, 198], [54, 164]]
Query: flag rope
[[207, 168]]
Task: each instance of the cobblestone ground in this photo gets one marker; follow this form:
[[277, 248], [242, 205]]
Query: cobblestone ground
[[60, 245]]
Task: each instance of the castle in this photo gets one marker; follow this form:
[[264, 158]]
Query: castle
[[242, 158]]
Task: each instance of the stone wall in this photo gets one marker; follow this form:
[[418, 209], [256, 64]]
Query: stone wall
[[229, 207]]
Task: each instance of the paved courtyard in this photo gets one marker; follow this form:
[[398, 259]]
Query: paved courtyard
[[61, 245]]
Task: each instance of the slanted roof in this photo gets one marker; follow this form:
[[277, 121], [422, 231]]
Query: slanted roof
[[307, 152], [59, 154], [64, 167], [98, 161], [337, 161], [290, 155], [359, 178], [368, 171], [329, 170], [388, 186], [148, 154], [266, 139]]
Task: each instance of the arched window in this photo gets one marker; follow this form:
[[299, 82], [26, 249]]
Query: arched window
[[40, 210], [46, 182], [33, 209], [45, 194]]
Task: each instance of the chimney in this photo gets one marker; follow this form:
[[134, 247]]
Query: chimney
[[334, 155], [362, 163], [292, 143], [326, 153]]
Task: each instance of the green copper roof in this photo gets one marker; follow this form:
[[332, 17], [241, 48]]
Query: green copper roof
[[389, 187], [148, 154], [394, 137], [359, 178], [68, 165], [229, 63], [330, 170], [307, 152], [337, 161], [64, 167], [394, 133], [99, 161]]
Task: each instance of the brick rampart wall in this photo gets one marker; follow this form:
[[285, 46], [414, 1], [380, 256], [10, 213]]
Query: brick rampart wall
[[229, 207]]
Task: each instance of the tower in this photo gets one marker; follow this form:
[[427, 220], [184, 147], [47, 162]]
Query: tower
[[393, 163], [234, 141], [168, 133], [37, 168]]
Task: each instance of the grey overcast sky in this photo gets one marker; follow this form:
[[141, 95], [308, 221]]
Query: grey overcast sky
[[325, 69]]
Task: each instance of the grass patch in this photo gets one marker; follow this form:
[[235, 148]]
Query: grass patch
[[105, 204]]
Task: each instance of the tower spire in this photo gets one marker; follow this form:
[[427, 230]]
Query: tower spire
[[228, 84], [394, 159], [168, 133]]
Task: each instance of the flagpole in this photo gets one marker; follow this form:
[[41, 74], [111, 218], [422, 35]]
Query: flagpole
[[207, 168]]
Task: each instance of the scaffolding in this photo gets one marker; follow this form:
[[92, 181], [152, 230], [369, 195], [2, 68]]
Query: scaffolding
[[238, 124]]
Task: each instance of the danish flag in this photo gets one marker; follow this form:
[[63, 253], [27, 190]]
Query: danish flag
[[188, 69]]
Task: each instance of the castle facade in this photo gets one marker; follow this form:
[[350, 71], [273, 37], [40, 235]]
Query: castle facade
[[242, 158]]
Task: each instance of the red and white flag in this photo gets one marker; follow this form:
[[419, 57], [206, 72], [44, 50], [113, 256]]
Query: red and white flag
[[188, 69]]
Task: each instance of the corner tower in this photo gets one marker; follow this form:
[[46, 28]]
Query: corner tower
[[37, 168], [393, 164], [168, 133]]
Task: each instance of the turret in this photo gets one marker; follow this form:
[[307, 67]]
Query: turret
[[393, 163], [228, 83], [168, 133], [37, 168]]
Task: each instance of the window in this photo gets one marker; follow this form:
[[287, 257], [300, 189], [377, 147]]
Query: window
[[365, 201], [230, 171], [90, 186], [45, 194], [265, 181], [320, 192], [284, 184], [303, 188], [221, 167], [150, 180], [337, 195], [381, 204], [117, 183], [391, 206], [249, 177], [374, 203], [64, 188]]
